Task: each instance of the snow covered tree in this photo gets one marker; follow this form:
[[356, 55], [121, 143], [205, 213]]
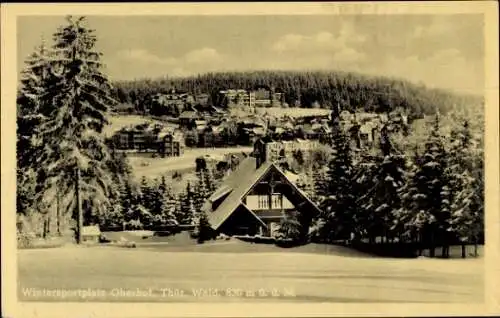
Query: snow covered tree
[[290, 228], [378, 193], [168, 205], [320, 183], [29, 104], [209, 180], [339, 205], [425, 206], [203, 229], [466, 197], [306, 184], [364, 185], [433, 173], [26, 181], [186, 211], [147, 194], [128, 197], [201, 189], [72, 110]]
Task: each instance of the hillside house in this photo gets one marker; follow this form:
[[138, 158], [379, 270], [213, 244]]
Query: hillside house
[[275, 151], [277, 99], [187, 119], [238, 97], [368, 133], [325, 133], [262, 98], [173, 101], [210, 136], [252, 134], [201, 99], [191, 137], [254, 198], [170, 143], [124, 108], [139, 137]]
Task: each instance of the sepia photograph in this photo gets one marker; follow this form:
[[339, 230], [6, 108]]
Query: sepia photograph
[[250, 158]]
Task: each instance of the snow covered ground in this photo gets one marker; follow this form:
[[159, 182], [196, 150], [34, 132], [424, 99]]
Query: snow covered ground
[[151, 275], [145, 165]]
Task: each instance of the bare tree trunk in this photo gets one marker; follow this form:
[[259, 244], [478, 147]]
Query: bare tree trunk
[[44, 232], [463, 250], [48, 224], [432, 249], [420, 244], [58, 214], [445, 246], [475, 247], [78, 207]]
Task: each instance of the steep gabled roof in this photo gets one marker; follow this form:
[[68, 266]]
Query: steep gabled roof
[[237, 185], [188, 114], [91, 230]]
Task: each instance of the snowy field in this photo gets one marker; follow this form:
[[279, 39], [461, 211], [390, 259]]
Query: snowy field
[[117, 122], [281, 112], [145, 165], [160, 275]]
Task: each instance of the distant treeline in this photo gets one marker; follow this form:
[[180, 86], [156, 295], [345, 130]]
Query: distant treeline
[[349, 90]]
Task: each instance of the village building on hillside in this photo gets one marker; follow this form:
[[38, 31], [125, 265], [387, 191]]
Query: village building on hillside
[[124, 108], [201, 99], [238, 97], [262, 98], [150, 137], [253, 199], [173, 102], [267, 98], [275, 151], [364, 129], [138, 137], [187, 119], [171, 143]]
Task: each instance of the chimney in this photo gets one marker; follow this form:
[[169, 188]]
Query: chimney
[[259, 153]]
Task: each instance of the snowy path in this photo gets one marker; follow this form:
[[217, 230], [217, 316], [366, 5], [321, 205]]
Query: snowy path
[[189, 276]]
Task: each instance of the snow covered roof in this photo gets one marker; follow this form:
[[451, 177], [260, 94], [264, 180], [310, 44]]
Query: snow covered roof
[[188, 115], [237, 184], [92, 230], [292, 177]]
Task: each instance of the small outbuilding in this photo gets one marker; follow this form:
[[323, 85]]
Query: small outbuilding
[[91, 234]]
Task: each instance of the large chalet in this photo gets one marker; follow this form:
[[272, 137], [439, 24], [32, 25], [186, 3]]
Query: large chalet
[[254, 198]]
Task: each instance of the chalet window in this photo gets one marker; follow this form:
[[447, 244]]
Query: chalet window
[[263, 202], [276, 201]]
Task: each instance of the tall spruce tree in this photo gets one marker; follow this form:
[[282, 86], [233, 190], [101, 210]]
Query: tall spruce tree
[[340, 205], [168, 206], [209, 180], [466, 220], [425, 208], [390, 178], [71, 110], [320, 184], [147, 194], [30, 92], [306, 183], [187, 211], [32, 88], [433, 173], [365, 190]]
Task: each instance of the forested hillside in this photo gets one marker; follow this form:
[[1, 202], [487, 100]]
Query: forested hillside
[[351, 91]]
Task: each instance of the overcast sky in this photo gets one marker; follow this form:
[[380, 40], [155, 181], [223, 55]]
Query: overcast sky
[[445, 51]]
